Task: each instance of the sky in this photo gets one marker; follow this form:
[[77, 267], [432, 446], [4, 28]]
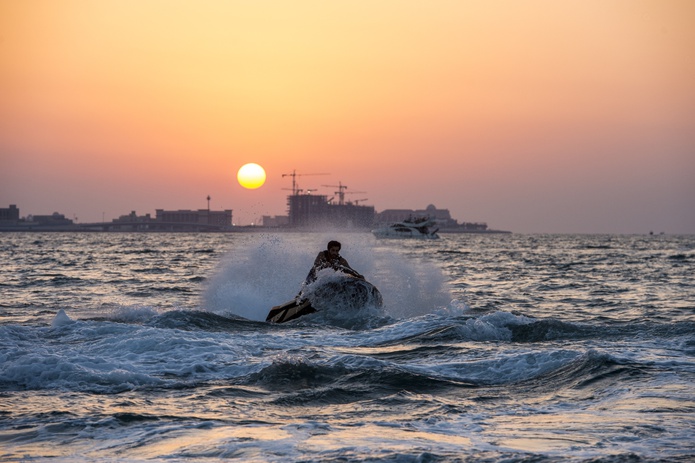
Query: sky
[[534, 116]]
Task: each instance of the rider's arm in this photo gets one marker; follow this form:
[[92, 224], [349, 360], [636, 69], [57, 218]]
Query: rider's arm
[[345, 264]]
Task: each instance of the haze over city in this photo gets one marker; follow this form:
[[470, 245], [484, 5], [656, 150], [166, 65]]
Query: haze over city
[[533, 116]]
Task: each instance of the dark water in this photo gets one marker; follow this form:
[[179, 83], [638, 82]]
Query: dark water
[[505, 348]]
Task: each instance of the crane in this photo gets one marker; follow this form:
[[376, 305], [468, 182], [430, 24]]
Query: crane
[[294, 175], [341, 193], [357, 201], [354, 193]]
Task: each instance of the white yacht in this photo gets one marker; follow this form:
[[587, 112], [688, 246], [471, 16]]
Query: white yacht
[[411, 228]]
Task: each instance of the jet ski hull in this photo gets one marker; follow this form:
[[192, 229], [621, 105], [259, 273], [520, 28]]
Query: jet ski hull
[[289, 311], [346, 293]]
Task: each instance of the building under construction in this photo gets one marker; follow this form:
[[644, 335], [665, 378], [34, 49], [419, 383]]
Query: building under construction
[[309, 211]]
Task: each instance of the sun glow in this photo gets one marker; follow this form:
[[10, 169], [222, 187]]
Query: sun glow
[[251, 176]]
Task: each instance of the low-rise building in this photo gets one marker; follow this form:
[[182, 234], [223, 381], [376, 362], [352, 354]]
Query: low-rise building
[[54, 219], [134, 218], [9, 215], [200, 217]]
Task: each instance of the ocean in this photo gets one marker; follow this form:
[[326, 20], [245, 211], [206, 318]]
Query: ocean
[[152, 347]]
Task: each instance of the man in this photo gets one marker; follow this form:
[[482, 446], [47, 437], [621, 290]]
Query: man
[[301, 305], [331, 258]]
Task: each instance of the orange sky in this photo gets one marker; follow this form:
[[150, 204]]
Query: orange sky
[[533, 116]]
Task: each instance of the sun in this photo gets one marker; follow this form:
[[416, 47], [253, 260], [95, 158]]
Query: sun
[[251, 176]]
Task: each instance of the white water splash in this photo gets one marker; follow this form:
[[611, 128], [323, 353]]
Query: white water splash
[[270, 271]]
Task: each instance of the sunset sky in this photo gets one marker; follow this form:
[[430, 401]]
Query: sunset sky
[[533, 116]]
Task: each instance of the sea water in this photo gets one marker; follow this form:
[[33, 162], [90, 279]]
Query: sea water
[[493, 348]]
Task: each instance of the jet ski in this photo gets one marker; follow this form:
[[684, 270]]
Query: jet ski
[[340, 290]]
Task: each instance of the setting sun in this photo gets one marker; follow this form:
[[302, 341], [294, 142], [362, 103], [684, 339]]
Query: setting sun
[[251, 176]]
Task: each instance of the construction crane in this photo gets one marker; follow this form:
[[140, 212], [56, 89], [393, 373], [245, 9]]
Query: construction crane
[[357, 201], [341, 192], [294, 175]]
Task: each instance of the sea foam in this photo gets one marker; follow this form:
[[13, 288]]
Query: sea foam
[[61, 319]]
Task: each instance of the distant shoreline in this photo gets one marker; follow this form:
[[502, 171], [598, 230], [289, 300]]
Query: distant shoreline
[[193, 228]]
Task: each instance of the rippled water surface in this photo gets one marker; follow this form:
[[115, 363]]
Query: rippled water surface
[[494, 348]]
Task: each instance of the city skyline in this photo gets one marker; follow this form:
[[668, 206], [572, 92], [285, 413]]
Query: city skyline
[[535, 117], [139, 215]]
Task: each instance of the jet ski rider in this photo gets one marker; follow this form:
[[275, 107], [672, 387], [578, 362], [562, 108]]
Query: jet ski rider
[[331, 258]]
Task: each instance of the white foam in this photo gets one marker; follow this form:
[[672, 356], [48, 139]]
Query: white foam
[[61, 319], [270, 271], [132, 314], [505, 370], [113, 357], [251, 280]]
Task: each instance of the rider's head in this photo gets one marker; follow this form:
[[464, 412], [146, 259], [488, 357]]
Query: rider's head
[[333, 248]]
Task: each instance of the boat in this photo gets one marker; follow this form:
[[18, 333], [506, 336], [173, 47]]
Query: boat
[[340, 291], [411, 228]]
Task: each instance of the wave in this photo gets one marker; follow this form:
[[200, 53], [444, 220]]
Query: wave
[[304, 381], [137, 348], [552, 330], [207, 321], [441, 327], [681, 257], [516, 328], [570, 373]]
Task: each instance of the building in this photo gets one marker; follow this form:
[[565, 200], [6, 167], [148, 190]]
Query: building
[[308, 211], [203, 220], [9, 215], [199, 217], [131, 222], [9, 220], [173, 221], [54, 219], [133, 218]]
